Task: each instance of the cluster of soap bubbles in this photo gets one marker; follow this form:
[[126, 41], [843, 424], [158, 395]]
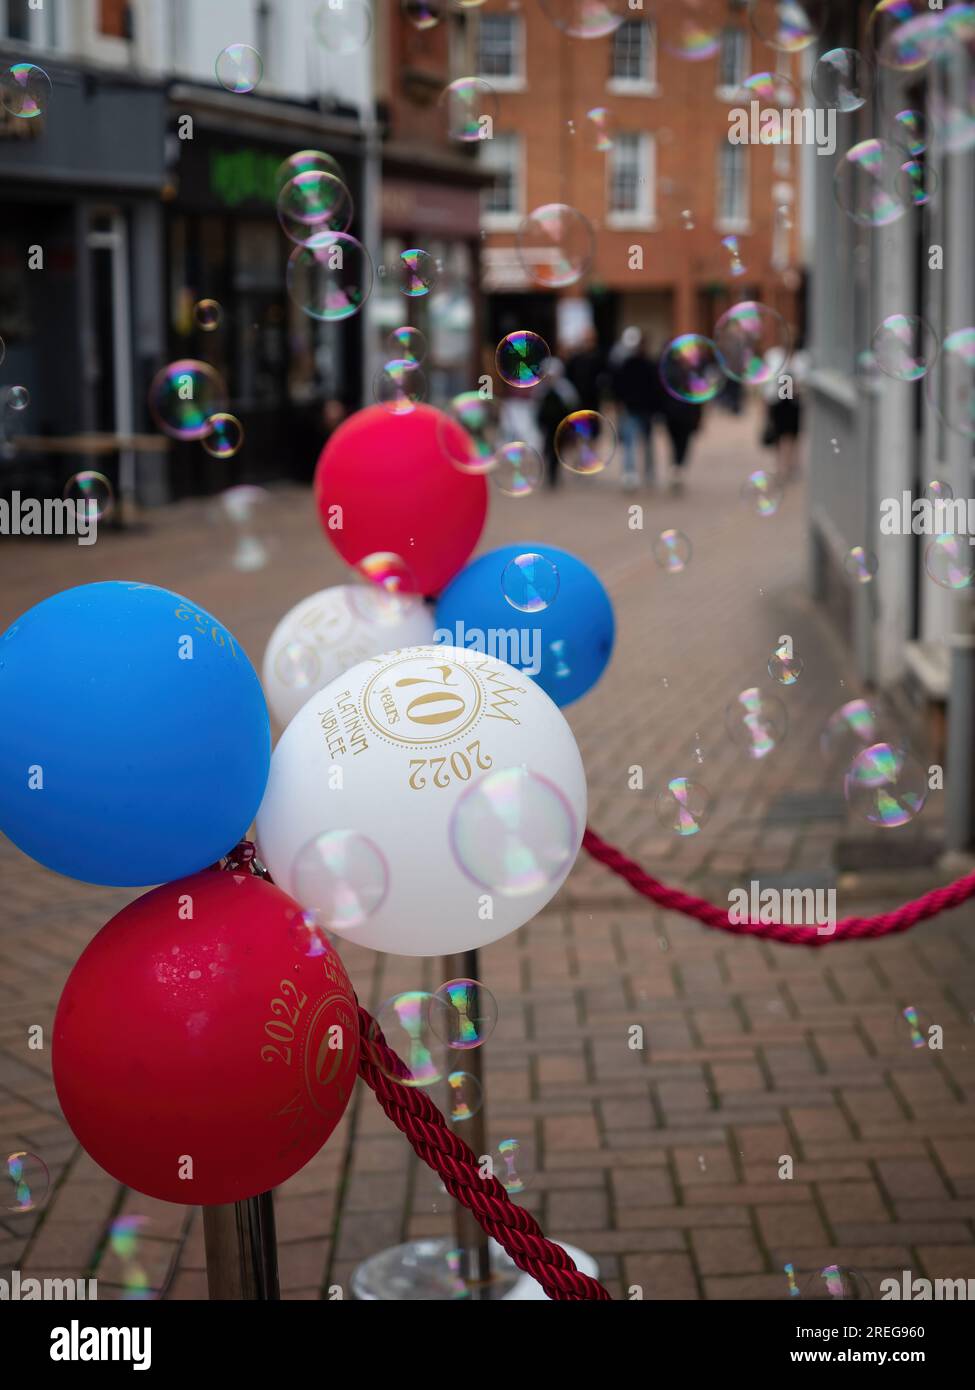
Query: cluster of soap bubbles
[[188, 401], [419, 1027], [883, 783], [751, 344]]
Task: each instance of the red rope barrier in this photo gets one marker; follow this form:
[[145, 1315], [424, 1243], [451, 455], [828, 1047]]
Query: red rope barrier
[[516, 1230], [848, 929]]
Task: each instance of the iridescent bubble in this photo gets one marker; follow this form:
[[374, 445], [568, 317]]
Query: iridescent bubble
[[472, 448], [530, 582], [917, 183], [342, 876], [836, 1282], [950, 385], [784, 666], [672, 551], [521, 357], [407, 344], [683, 807], [470, 107], [732, 245], [123, 1242], [207, 314], [399, 386], [312, 203], [463, 1014], [937, 491], [306, 162], [696, 32], [769, 89], [513, 832], [865, 184], [690, 369], [93, 490], [753, 343], [756, 723], [601, 128], [225, 437], [330, 278], [885, 786], [762, 492], [185, 396], [297, 666], [841, 80], [17, 397], [404, 1021], [899, 34], [417, 273], [555, 245], [860, 564], [586, 19], [585, 442], [423, 14], [25, 90], [950, 561], [307, 936], [389, 571], [239, 68], [952, 113], [518, 469], [465, 1096], [26, 1185], [789, 25], [905, 347], [511, 1166], [910, 128], [344, 26], [850, 728]]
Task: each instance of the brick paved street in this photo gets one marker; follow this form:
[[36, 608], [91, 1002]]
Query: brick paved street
[[664, 1163]]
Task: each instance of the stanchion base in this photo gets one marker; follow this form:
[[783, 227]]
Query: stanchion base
[[429, 1271]]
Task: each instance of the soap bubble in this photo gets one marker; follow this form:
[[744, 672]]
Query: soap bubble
[[905, 346], [690, 369], [344, 26], [849, 729], [950, 561], [885, 786], [696, 33], [239, 68], [950, 385], [756, 723], [555, 245], [865, 183], [24, 1183], [769, 89], [25, 90], [404, 1022], [518, 469], [910, 127], [672, 551], [836, 1282], [513, 832], [399, 386], [585, 442], [208, 315], [471, 109], [788, 25], [753, 342], [784, 666], [330, 277], [185, 396], [463, 1014], [530, 582], [16, 397], [417, 273], [423, 14], [225, 437], [521, 358], [341, 876], [586, 19], [93, 490], [917, 183], [312, 203], [901, 34], [841, 80], [860, 564], [683, 807], [762, 492], [306, 162], [474, 449], [407, 344]]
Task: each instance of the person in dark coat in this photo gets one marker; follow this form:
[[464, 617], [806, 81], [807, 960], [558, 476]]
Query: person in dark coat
[[637, 392]]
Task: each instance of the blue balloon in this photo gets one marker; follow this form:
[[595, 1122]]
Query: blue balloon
[[134, 738], [565, 646]]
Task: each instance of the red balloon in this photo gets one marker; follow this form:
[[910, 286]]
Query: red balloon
[[200, 1055], [400, 494]]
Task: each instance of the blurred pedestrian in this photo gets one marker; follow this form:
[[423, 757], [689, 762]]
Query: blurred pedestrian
[[637, 392], [682, 419], [782, 392], [585, 369], [558, 399]]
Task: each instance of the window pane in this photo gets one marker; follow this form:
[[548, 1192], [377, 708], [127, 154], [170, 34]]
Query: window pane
[[111, 18], [496, 46], [624, 192], [630, 48], [501, 155], [18, 19], [732, 68]]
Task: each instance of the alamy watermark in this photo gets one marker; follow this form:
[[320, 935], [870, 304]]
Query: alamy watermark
[[926, 516], [18, 1289], [793, 907], [30, 516], [756, 124], [518, 646]]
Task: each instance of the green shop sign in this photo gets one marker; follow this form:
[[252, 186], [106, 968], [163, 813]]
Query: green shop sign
[[243, 176]]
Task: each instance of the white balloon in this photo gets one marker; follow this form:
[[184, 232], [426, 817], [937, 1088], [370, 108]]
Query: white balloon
[[331, 631], [384, 756]]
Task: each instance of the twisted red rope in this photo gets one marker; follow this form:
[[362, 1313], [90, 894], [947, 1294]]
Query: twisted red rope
[[848, 929], [516, 1230]]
